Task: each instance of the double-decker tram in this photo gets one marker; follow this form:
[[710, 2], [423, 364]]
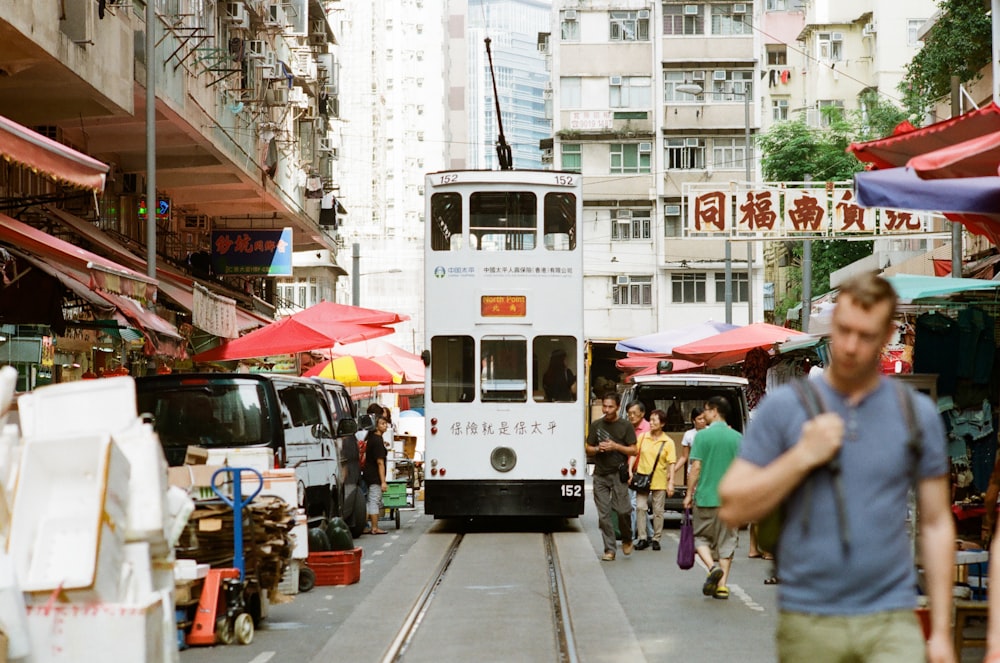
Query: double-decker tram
[[505, 402]]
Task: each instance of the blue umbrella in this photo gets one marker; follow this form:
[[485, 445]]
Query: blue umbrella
[[663, 342], [901, 188]]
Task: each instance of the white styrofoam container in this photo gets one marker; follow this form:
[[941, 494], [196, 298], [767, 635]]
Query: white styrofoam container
[[300, 534], [68, 518], [289, 585], [77, 408], [147, 510], [278, 482], [257, 458], [137, 572], [189, 569], [69, 633]]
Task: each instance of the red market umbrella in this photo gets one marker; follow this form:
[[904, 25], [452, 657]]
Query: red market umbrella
[[977, 157], [664, 341], [317, 327], [355, 371], [637, 365], [732, 346]]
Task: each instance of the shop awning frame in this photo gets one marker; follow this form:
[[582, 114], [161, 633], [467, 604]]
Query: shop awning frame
[[42, 155]]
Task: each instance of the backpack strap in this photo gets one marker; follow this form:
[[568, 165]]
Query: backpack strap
[[812, 401], [915, 434]]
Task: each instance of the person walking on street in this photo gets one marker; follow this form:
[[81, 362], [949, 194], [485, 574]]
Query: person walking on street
[[845, 558], [636, 413], [610, 443], [656, 455], [684, 452], [714, 449], [374, 473]]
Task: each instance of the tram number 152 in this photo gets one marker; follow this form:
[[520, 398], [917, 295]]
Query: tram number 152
[[571, 490]]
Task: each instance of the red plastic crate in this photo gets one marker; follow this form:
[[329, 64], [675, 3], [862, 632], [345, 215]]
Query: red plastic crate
[[339, 567]]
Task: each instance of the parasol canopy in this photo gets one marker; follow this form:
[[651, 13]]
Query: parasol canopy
[[355, 371], [663, 342], [731, 347], [317, 327], [911, 286]]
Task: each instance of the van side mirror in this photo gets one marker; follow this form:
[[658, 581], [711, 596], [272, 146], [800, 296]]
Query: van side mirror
[[425, 357], [347, 427]]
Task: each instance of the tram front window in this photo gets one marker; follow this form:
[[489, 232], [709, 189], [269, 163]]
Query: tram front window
[[554, 359], [503, 220], [446, 222], [453, 371], [559, 232], [503, 369]]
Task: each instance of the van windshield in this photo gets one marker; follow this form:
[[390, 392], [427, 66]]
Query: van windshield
[[217, 414]]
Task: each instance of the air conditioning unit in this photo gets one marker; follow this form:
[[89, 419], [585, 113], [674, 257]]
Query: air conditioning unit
[[546, 94], [643, 14], [690, 142], [672, 210], [740, 8], [623, 216], [869, 30], [719, 75], [622, 280], [256, 49], [297, 96], [645, 147], [275, 15], [836, 36], [615, 80], [698, 75], [569, 15], [548, 85], [276, 96], [692, 10], [197, 222], [236, 16], [325, 145]]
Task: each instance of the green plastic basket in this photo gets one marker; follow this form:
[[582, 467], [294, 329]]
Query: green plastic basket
[[395, 494]]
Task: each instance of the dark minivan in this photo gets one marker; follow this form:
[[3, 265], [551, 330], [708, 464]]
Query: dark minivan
[[343, 409], [288, 415]]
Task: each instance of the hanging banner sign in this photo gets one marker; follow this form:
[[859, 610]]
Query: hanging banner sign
[[772, 211], [252, 252]]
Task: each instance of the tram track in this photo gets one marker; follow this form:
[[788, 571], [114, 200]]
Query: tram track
[[440, 578]]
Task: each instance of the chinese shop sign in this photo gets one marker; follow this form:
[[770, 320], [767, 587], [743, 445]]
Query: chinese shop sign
[[252, 252]]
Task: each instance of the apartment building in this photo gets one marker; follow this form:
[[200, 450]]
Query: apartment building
[[648, 99]]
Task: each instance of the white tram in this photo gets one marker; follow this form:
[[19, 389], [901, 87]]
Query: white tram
[[505, 402]]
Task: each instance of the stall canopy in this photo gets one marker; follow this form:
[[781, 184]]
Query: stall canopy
[[911, 287], [318, 327], [732, 346], [355, 371], [404, 362], [663, 342], [42, 155]]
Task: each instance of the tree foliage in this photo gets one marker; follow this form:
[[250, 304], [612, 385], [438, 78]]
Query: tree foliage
[[792, 151], [959, 45]]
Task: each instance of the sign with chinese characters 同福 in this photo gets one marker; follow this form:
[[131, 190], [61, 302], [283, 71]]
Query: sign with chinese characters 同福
[[258, 252], [718, 211]]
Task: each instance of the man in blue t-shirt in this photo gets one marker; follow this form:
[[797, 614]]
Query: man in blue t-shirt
[[848, 583]]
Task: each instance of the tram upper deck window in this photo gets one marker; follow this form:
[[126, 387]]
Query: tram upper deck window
[[446, 222], [503, 220], [453, 369], [559, 233], [503, 369], [554, 359]]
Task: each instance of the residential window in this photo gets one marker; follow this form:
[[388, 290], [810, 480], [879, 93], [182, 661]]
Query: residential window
[[830, 109], [629, 25], [731, 84], [570, 92], [673, 222], [830, 46], [630, 157], [779, 109], [776, 5], [740, 284], [687, 287], [633, 291], [673, 77], [569, 26], [683, 19], [630, 92], [912, 32], [729, 153], [572, 159], [630, 224], [684, 153], [777, 54], [732, 19]]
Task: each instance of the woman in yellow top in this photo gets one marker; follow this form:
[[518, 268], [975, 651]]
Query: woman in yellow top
[[657, 447]]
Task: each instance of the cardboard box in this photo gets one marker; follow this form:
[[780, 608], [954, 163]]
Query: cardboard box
[[196, 456], [69, 518], [196, 479]]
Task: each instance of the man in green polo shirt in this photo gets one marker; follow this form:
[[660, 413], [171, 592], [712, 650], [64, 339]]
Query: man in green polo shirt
[[713, 451]]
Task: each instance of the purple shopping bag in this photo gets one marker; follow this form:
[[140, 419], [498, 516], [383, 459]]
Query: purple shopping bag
[[685, 549]]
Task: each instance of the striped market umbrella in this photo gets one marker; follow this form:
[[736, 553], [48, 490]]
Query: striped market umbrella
[[355, 371]]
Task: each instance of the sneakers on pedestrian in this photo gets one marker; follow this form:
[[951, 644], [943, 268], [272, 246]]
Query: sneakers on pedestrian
[[608, 557], [656, 545], [627, 547], [641, 544], [712, 581]]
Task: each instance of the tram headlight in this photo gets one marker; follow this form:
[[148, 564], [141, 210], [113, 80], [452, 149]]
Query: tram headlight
[[503, 459]]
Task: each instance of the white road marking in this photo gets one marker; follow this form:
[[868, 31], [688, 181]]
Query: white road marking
[[263, 657]]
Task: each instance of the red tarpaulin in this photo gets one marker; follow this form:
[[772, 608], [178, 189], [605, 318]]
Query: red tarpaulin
[[732, 346], [316, 328], [43, 155]]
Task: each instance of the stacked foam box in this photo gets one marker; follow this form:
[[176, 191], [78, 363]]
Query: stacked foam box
[[88, 526]]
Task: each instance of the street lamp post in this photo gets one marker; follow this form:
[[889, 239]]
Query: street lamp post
[[695, 90]]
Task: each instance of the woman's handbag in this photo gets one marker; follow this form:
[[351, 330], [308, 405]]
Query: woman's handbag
[[640, 482], [685, 549]]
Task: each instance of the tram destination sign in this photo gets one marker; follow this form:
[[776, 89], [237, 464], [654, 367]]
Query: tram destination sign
[[503, 306], [789, 211]]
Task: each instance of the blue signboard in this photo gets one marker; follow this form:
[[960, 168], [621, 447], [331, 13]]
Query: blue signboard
[[252, 252]]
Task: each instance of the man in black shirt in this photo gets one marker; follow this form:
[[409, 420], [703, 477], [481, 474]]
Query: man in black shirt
[[610, 442]]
